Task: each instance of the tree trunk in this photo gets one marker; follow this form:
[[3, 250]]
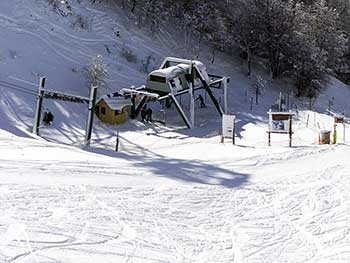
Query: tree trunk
[[199, 45], [133, 6], [249, 60], [213, 52], [274, 57]]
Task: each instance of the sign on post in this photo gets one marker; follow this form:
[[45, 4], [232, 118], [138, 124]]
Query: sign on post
[[280, 122], [228, 127]]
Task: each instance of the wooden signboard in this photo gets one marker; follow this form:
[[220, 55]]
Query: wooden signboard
[[339, 119], [280, 122], [228, 127]]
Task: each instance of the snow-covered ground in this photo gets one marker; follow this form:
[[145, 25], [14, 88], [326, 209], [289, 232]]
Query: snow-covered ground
[[170, 194], [177, 200]]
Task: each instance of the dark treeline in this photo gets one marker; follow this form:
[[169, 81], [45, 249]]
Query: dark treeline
[[305, 40]]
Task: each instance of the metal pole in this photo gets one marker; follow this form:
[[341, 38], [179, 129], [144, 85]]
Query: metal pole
[[192, 96], [133, 106], [117, 143], [225, 95], [344, 127], [234, 132], [290, 131], [90, 120], [39, 105]]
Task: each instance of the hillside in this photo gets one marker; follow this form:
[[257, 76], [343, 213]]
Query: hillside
[[170, 194]]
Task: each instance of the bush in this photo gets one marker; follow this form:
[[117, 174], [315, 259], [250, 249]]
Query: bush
[[81, 23], [96, 72], [129, 55]]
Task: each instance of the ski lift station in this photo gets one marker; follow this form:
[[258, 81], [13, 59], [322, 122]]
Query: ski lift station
[[174, 78]]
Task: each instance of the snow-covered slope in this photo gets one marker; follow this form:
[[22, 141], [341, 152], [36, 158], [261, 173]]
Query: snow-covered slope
[[170, 194], [179, 200]]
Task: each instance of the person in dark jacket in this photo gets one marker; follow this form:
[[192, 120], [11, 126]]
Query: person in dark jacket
[[144, 112], [149, 115], [201, 100]]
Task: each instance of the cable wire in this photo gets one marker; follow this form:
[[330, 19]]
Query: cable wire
[[18, 88]]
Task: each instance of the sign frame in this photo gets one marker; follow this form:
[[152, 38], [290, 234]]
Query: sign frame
[[228, 127], [280, 123]]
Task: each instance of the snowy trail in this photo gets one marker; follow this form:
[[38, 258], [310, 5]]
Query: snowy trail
[[111, 210], [169, 195]]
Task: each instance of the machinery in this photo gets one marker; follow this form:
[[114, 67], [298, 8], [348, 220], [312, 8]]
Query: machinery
[[177, 77]]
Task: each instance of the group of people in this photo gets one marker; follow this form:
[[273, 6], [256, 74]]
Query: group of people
[[146, 113]]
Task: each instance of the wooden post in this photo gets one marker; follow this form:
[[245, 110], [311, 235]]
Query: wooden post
[[344, 131], [39, 105], [251, 103], [290, 131], [233, 133], [269, 138], [89, 125], [117, 143], [192, 99]]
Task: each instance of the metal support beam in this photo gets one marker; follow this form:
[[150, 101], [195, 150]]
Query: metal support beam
[[90, 120], [181, 112], [39, 105], [214, 100], [210, 93], [133, 106], [139, 107]]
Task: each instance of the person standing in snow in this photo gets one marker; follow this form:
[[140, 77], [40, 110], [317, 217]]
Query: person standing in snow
[[149, 114], [201, 100], [144, 112]]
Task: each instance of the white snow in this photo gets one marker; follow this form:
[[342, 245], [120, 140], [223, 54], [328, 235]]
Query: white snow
[[170, 194]]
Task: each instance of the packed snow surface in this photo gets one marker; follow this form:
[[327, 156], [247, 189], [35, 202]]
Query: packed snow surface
[[181, 201], [170, 194]]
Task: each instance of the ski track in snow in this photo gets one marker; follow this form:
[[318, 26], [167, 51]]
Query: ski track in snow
[[294, 219], [301, 218], [200, 224]]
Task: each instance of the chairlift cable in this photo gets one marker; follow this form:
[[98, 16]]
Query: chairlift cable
[[27, 91], [17, 87]]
